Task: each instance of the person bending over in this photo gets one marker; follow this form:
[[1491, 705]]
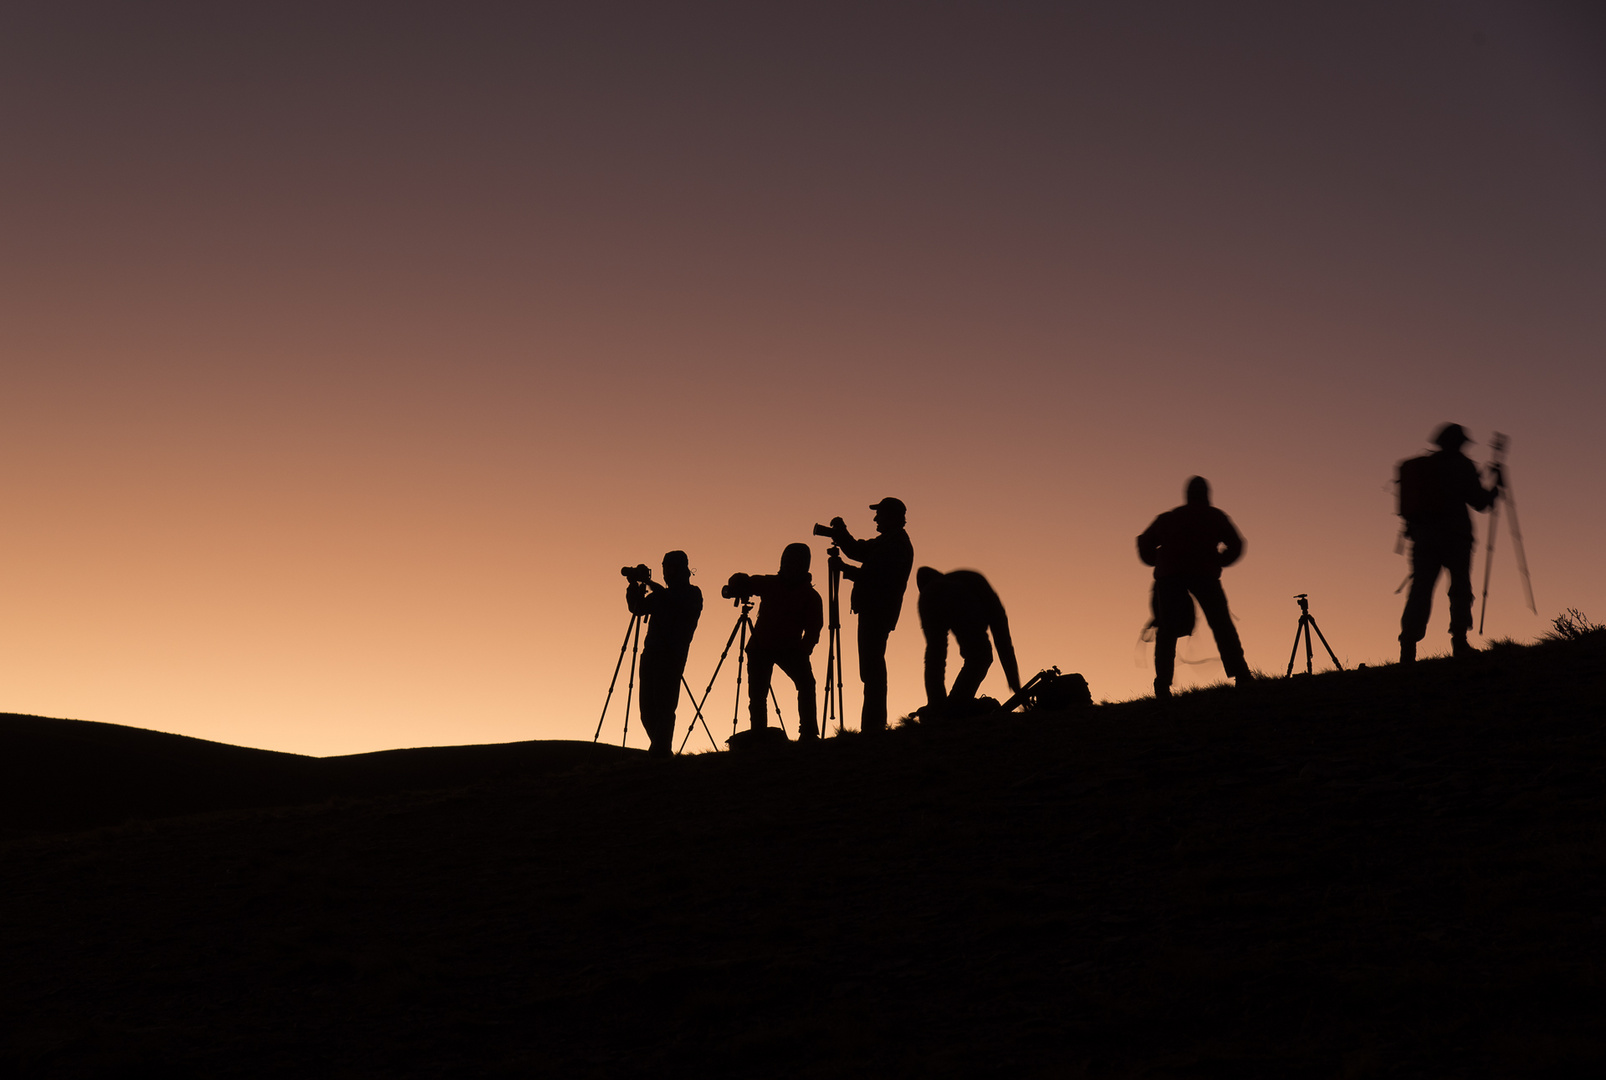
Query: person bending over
[[963, 604]]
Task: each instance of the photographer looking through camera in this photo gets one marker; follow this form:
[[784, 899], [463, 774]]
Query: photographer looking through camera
[[878, 588], [674, 608], [787, 630]]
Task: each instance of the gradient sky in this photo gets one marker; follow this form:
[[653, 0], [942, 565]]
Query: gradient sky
[[347, 351]]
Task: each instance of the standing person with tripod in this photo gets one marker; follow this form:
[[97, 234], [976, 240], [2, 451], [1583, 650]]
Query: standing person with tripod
[[1434, 493], [674, 609], [790, 618], [878, 587], [1188, 547]]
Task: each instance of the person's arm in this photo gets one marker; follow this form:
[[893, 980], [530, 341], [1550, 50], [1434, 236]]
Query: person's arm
[[1232, 544], [999, 624], [854, 549], [639, 600], [1149, 544], [816, 621]]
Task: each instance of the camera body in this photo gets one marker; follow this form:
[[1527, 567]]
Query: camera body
[[640, 574], [739, 588]]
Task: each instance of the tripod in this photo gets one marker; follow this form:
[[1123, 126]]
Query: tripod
[[632, 641], [834, 701], [1503, 495], [744, 626], [1307, 623]]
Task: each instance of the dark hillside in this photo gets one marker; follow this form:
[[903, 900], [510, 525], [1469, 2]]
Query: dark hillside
[[60, 775], [1386, 872]]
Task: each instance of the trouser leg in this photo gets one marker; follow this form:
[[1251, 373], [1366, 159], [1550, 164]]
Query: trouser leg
[[1425, 567], [977, 653], [799, 669], [1459, 562], [760, 669], [1213, 601], [1172, 608], [873, 672], [660, 693], [1165, 659]]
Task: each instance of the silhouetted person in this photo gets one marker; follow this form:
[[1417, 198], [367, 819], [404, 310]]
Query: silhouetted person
[[1188, 547], [790, 618], [1435, 491], [878, 587], [674, 608], [962, 603]]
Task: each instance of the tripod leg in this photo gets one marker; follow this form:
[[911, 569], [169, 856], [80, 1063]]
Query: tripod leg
[[741, 656], [1516, 542], [842, 699], [831, 660], [1310, 653], [778, 718], [1326, 646], [715, 676], [630, 692], [1299, 630], [1488, 561], [611, 682], [697, 715]]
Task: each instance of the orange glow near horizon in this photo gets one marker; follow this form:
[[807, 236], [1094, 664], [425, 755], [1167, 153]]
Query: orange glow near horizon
[[340, 380]]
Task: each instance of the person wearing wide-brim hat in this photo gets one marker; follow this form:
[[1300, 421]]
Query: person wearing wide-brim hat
[[1435, 491]]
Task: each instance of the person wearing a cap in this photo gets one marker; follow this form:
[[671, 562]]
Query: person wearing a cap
[[675, 608], [878, 587], [1188, 547], [1435, 491]]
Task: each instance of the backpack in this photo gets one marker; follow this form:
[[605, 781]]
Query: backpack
[[1417, 485]]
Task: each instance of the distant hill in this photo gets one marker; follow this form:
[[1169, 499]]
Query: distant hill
[[60, 775], [1389, 871]]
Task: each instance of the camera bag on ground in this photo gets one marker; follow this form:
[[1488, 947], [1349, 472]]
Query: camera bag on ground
[[1051, 690], [758, 739]]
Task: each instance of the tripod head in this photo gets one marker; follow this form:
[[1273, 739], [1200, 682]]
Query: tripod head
[[1304, 602]]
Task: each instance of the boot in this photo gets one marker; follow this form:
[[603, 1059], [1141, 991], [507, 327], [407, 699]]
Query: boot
[[1407, 651], [1460, 647], [1162, 690]]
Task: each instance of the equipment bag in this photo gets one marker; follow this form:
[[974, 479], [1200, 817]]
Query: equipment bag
[[1416, 484]]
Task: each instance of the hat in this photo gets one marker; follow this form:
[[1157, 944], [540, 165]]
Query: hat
[[1450, 437], [890, 503]]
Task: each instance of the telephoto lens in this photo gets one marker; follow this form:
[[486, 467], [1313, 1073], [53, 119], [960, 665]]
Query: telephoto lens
[[822, 530]]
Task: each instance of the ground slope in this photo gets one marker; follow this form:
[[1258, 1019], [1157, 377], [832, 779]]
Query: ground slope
[[1373, 873]]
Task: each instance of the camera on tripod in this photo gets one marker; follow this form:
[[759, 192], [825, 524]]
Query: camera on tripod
[[640, 574], [739, 588]]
